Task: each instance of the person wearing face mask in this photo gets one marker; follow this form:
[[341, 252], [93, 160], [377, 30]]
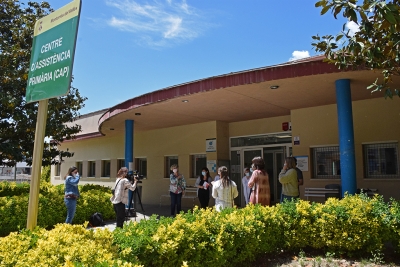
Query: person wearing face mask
[[177, 188], [259, 182], [121, 196], [245, 182], [71, 192], [203, 184]]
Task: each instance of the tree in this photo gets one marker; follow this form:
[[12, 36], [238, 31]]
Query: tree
[[375, 46], [17, 117]]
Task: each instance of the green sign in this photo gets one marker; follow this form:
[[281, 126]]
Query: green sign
[[50, 70]]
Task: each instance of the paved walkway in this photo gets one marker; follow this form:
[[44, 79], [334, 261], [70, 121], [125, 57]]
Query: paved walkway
[[148, 210]]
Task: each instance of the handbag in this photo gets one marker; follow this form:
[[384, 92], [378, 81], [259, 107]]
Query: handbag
[[113, 190]]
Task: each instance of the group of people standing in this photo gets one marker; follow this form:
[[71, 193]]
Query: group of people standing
[[256, 187], [223, 189]]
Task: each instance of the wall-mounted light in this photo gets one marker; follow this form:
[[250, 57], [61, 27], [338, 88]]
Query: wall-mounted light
[[274, 86], [138, 114], [185, 101]]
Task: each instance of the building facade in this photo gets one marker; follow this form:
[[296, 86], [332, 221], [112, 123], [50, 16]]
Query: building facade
[[295, 109]]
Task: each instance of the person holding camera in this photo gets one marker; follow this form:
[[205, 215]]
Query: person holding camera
[[71, 192], [177, 188], [120, 197], [203, 184]]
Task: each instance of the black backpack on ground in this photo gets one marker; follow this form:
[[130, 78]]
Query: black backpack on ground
[[96, 219]]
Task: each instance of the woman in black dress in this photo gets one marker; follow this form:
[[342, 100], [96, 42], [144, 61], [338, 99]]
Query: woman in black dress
[[203, 184]]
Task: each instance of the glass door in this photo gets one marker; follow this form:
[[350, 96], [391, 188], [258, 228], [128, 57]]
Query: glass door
[[234, 173], [248, 155], [274, 158]]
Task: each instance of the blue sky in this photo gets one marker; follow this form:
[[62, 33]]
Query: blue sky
[[127, 48]]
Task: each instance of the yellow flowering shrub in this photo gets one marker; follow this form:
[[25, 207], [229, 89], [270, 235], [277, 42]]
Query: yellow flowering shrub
[[394, 209], [65, 245], [353, 223], [209, 238], [201, 237], [13, 207]]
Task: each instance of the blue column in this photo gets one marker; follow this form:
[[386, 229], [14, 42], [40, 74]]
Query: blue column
[[129, 125], [346, 136]]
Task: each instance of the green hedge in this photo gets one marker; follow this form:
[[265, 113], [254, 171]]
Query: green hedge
[[206, 237], [15, 198]]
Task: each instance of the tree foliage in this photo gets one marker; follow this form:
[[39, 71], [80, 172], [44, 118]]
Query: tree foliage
[[375, 46], [17, 117]]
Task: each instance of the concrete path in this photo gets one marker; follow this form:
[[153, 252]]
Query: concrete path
[[148, 210]]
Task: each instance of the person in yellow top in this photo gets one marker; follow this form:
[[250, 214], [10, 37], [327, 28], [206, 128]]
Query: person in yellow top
[[288, 179]]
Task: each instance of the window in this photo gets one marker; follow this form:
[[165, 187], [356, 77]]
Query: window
[[262, 140], [120, 164], [381, 160], [105, 168], [326, 162], [79, 166], [198, 162], [58, 169], [141, 166], [170, 160], [92, 169]]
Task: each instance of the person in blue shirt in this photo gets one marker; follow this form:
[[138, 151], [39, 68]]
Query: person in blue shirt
[[71, 192]]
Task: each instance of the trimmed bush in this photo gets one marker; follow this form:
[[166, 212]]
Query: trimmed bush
[[209, 238], [65, 245], [52, 210]]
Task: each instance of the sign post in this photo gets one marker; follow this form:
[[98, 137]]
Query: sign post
[[50, 75]]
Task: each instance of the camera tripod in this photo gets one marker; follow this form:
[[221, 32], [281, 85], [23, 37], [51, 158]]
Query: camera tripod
[[128, 212]]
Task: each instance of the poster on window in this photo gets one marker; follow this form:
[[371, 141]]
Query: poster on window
[[302, 163], [212, 165]]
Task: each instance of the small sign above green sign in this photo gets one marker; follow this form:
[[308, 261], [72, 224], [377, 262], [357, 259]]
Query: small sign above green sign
[[53, 50]]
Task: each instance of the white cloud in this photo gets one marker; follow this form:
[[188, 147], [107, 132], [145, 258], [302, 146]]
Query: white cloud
[[353, 27], [296, 55], [158, 23]]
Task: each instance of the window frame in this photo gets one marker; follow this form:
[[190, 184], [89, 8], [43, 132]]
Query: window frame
[[316, 163], [91, 168], [193, 164], [79, 166], [168, 163], [105, 168], [138, 166], [57, 171], [378, 146], [120, 164]]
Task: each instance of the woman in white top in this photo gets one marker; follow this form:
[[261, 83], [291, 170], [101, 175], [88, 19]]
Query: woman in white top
[[120, 197], [224, 190]]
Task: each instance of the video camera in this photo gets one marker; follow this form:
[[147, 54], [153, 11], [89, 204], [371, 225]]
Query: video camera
[[132, 174]]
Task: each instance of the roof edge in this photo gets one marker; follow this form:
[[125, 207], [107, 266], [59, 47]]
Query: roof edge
[[303, 67]]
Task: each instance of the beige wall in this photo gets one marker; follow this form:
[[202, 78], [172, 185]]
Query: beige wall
[[182, 141], [375, 120], [256, 127], [89, 122]]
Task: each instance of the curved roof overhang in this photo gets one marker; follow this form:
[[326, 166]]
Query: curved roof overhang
[[238, 96]]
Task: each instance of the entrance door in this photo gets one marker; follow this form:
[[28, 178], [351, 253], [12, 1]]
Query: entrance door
[[274, 158], [248, 155]]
